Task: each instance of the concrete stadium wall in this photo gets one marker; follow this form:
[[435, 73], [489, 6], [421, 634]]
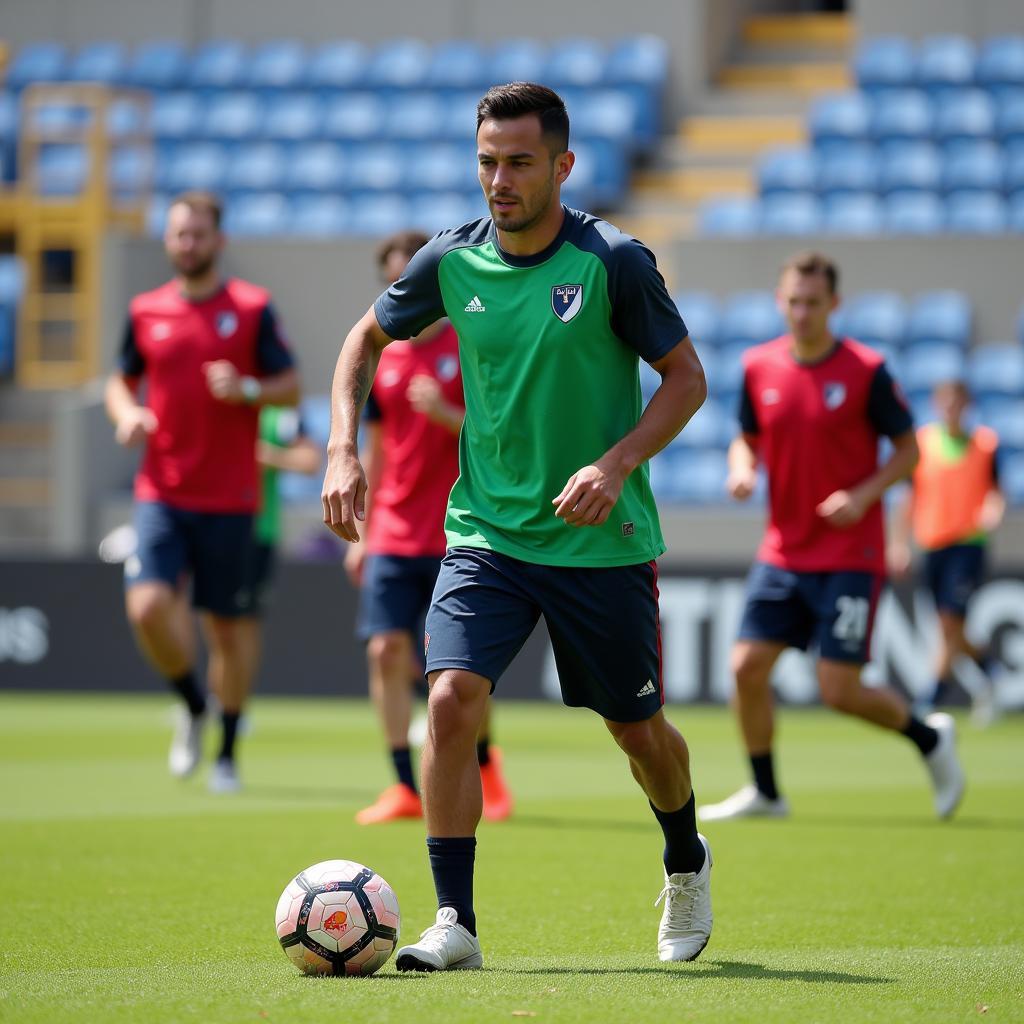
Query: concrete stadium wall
[[919, 18]]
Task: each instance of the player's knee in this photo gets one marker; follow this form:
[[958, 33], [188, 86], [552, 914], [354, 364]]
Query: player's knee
[[639, 740], [751, 668], [225, 634], [838, 695], [389, 652], [149, 609], [454, 710]]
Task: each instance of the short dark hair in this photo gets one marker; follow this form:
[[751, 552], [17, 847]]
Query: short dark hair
[[200, 201], [516, 99], [408, 243], [811, 262]]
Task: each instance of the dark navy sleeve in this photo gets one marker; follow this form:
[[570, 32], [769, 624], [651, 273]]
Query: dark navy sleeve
[[130, 361], [272, 355], [643, 313], [997, 456], [747, 413], [414, 301], [887, 409], [371, 411]]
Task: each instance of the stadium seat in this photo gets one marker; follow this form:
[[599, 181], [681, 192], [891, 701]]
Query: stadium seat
[[1015, 215], [61, 169], [928, 364], [855, 214], [972, 166], [702, 477], [1002, 414], [399, 64], [257, 167], [445, 167], [798, 213], [639, 65], [457, 64], [940, 316], [315, 167], [909, 166], [576, 62], [60, 116], [1011, 477], [965, 114], [791, 169], [193, 165], [913, 213], [294, 117], [1010, 116], [130, 170], [417, 116], [175, 116], [607, 114], [731, 217], [876, 318], [37, 62], [1001, 62], [8, 137], [700, 311], [12, 290], [431, 212], [376, 215], [376, 167], [710, 427], [353, 116], [602, 170], [98, 62], [460, 118], [125, 116], [232, 117], [884, 62], [319, 216], [340, 64], [976, 213], [516, 60], [844, 117], [945, 62], [905, 114], [750, 317], [218, 64], [844, 169], [160, 64], [263, 214], [997, 369], [280, 64], [726, 378]]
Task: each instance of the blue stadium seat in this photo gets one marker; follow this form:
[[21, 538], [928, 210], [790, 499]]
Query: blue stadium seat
[[941, 316], [175, 116], [726, 377], [516, 60], [945, 62], [12, 290], [218, 64], [279, 64], [965, 114], [316, 167], [1010, 116], [156, 214], [789, 169], [1015, 216], [61, 169], [460, 118], [1002, 414], [607, 114], [796, 213], [257, 167], [319, 216], [914, 213], [354, 117], [849, 168], [1001, 62], [855, 213], [8, 137], [60, 116], [374, 216], [233, 117], [376, 167], [130, 170], [1013, 167], [909, 166], [997, 369], [262, 214], [125, 116], [192, 165], [976, 213], [750, 317], [576, 62], [730, 217], [876, 318], [295, 117], [399, 64], [884, 62], [160, 64], [842, 117], [710, 427], [701, 312], [457, 64], [927, 364], [702, 477], [431, 212], [1011, 477], [445, 167], [972, 165], [650, 380], [640, 65], [340, 64], [905, 114], [601, 170], [37, 62], [98, 62], [418, 116], [893, 360]]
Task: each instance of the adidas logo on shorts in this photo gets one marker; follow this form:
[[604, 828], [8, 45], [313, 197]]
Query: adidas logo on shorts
[[646, 690]]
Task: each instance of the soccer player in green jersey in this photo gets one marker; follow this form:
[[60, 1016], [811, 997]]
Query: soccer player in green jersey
[[552, 513]]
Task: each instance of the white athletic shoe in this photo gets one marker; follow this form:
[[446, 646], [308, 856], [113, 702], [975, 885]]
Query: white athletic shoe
[[749, 802], [444, 946], [187, 743], [944, 766], [984, 709], [224, 777], [686, 920]]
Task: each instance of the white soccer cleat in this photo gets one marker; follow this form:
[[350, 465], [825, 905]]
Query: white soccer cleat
[[444, 946], [685, 926], [944, 766], [749, 802], [224, 777], [187, 744]]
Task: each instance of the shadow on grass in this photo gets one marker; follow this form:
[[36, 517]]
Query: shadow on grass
[[730, 970]]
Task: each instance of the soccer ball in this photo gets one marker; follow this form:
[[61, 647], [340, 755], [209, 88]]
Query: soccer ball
[[338, 917]]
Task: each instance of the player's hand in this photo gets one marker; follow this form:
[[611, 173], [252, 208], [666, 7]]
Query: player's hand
[[224, 381], [135, 426], [842, 509], [898, 559], [740, 484], [589, 496], [344, 495], [355, 559], [424, 395]]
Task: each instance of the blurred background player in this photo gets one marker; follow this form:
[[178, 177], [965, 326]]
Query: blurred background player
[[812, 411], [211, 354], [411, 455], [952, 506]]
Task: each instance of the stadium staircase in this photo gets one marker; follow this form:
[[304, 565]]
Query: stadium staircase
[[26, 469], [760, 100]]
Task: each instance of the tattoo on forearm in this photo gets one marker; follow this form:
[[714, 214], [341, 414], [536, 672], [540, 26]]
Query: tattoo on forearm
[[362, 382]]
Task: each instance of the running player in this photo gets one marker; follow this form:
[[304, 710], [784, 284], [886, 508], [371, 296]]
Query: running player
[[411, 456], [813, 409], [953, 505], [211, 354], [552, 513]]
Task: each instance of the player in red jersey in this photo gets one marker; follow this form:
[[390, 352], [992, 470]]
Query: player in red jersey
[[211, 354], [812, 412], [412, 421]]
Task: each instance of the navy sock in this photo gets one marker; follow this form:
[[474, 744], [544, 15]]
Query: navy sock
[[483, 751], [451, 862], [229, 722], [185, 686], [684, 851], [764, 775], [924, 737], [401, 757]]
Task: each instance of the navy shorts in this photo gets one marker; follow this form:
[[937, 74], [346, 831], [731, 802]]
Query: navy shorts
[[260, 575], [212, 548], [603, 624], [953, 574], [395, 593], [832, 611]]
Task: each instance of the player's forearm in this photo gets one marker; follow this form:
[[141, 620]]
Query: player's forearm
[[741, 458], [353, 377], [898, 467], [451, 417], [301, 457], [118, 398], [903, 518], [280, 389]]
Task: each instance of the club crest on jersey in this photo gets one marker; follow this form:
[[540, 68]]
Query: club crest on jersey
[[447, 368], [227, 323], [566, 301], [834, 394]]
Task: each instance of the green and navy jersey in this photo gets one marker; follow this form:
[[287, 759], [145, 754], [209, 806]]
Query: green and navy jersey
[[549, 347]]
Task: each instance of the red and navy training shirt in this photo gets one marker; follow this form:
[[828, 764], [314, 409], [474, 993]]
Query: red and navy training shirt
[[202, 457], [816, 428]]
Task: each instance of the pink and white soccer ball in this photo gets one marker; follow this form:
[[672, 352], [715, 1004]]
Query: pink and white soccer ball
[[338, 917]]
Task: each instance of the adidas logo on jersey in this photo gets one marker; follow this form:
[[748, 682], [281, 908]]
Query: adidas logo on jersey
[[475, 305], [646, 690]]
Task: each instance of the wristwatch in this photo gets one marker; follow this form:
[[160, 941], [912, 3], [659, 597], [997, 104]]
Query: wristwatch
[[251, 390]]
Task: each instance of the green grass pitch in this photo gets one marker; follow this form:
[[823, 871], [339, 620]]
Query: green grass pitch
[[129, 896]]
